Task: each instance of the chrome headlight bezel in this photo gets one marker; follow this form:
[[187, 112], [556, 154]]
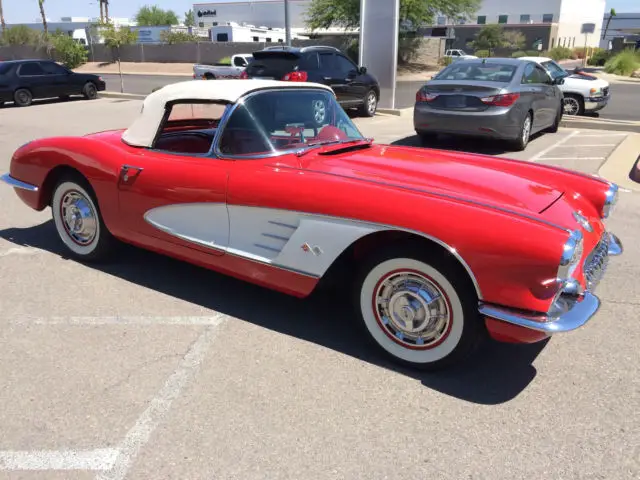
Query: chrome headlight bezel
[[610, 200], [572, 251]]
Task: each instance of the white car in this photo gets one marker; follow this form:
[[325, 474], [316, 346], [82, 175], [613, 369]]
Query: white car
[[457, 54], [582, 92], [239, 62]]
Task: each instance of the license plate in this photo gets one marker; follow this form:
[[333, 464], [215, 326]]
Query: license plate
[[456, 102]]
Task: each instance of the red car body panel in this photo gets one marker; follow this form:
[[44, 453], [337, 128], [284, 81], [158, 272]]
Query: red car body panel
[[492, 212]]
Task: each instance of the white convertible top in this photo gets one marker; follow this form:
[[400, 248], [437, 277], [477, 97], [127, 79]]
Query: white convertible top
[[143, 130]]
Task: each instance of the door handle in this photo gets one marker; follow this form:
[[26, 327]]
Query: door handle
[[128, 173]]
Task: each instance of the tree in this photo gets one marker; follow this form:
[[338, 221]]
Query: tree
[[514, 39], [106, 9], [177, 37], [189, 21], [116, 38], [489, 38], [44, 17], [612, 13], [21, 35], [413, 13], [154, 16], [68, 51], [4, 25]]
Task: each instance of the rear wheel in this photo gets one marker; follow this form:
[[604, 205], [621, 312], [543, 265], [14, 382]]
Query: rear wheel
[[525, 133], [78, 220], [209, 76], [417, 310], [23, 97]]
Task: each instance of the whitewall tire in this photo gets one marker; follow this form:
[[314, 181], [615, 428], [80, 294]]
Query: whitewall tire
[[419, 312], [78, 221]]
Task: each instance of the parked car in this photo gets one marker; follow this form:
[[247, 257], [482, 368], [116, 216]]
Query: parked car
[[503, 98], [489, 245], [22, 81], [457, 54], [353, 85], [203, 71], [582, 93]]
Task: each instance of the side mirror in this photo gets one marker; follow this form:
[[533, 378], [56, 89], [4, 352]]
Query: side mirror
[[362, 70], [559, 81]]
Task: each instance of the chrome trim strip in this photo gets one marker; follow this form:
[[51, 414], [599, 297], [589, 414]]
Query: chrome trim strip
[[615, 245], [583, 310], [430, 192], [14, 182]]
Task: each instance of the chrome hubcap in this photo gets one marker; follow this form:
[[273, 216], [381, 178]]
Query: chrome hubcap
[[78, 217], [526, 130], [571, 106], [319, 111], [371, 103], [412, 310]]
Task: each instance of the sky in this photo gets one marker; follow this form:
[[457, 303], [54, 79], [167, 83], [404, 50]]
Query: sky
[[26, 11]]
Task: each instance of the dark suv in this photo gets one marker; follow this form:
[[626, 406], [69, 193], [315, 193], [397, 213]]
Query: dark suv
[[353, 86]]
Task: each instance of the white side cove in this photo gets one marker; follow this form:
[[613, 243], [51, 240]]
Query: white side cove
[[296, 241]]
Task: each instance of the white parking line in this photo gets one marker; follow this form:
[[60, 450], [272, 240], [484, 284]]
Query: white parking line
[[20, 251], [140, 433], [548, 149], [99, 459]]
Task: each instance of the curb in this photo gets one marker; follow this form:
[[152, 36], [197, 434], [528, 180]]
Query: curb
[[600, 124], [128, 96], [620, 164], [145, 74], [389, 111]]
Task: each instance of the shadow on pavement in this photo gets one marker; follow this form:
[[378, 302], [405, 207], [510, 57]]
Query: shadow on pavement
[[466, 144], [47, 101], [496, 374]]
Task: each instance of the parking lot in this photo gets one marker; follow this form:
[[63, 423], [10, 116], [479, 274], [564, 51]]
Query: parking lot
[[148, 368]]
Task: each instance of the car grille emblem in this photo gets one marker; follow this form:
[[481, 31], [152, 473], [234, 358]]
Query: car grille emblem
[[582, 221]]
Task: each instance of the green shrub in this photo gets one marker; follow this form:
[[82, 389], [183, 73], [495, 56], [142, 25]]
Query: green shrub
[[482, 53], [533, 53], [599, 58], [560, 53], [445, 61], [624, 63], [518, 54], [22, 35], [225, 61], [68, 52]]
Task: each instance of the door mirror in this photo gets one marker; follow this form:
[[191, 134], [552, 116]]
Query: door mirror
[[362, 70], [559, 81]]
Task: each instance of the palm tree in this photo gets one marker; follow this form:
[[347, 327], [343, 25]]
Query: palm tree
[[101, 11], [44, 18], [106, 9], [4, 25]]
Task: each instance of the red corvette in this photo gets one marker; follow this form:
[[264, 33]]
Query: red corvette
[[272, 183]]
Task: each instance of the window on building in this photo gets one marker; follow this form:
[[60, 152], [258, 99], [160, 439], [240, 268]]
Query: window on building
[[553, 42], [525, 18], [502, 18], [547, 18], [268, 40], [482, 19], [574, 42], [442, 20], [222, 37], [256, 39]]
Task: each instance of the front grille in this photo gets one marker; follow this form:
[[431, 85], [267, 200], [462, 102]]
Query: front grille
[[595, 264]]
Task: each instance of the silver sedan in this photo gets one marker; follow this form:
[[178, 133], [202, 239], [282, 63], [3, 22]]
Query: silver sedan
[[502, 98]]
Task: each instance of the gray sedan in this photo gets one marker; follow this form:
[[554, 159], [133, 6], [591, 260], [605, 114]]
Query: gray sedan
[[503, 98]]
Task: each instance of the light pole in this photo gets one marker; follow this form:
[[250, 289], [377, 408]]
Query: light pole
[[287, 23]]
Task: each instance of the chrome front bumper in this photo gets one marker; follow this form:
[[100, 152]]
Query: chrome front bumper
[[14, 182], [584, 304], [593, 104]]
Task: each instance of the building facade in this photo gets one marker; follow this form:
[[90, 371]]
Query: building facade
[[625, 26], [259, 13]]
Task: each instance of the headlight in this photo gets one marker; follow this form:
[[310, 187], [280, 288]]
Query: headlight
[[571, 255], [610, 200]]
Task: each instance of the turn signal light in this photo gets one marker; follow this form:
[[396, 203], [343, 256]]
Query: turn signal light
[[504, 100], [295, 77]]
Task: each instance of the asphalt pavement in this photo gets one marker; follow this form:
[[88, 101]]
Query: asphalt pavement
[[149, 368], [625, 97]]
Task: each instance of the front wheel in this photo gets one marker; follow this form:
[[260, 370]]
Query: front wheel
[[370, 104], [573, 104], [78, 221], [419, 312], [90, 91]]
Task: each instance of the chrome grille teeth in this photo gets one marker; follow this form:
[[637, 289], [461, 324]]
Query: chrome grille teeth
[[596, 263]]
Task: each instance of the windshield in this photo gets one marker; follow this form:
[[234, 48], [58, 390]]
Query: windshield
[[277, 121], [555, 70], [483, 72]]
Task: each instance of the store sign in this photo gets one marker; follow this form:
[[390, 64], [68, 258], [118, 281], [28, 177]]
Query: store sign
[[206, 13]]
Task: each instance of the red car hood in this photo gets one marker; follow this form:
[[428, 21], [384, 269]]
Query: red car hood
[[464, 176]]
